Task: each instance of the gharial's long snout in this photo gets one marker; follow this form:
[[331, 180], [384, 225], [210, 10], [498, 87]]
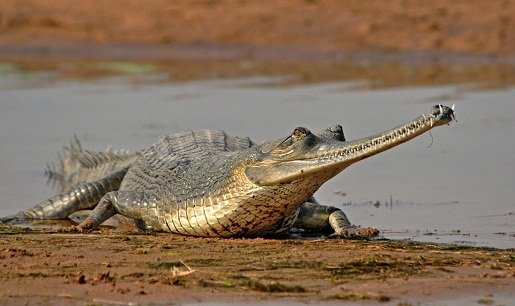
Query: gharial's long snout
[[319, 155]]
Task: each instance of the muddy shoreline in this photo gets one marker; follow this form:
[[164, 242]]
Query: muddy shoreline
[[108, 267], [379, 73]]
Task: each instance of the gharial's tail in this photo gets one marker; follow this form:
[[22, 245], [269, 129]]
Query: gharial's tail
[[79, 176], [76, 165]]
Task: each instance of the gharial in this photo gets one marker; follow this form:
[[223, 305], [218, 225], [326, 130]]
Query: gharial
[[210, 184]]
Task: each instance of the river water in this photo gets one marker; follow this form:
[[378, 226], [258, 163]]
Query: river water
[[453, 186]]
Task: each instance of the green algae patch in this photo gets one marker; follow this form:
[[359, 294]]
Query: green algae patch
[[127, 67]]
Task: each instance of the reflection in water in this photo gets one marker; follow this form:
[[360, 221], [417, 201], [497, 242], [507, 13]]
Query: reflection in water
[[465, 174]]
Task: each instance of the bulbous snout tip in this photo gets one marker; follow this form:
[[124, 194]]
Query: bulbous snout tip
[[443, 114]]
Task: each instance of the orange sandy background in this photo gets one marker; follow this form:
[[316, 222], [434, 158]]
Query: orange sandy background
[[464, 26]]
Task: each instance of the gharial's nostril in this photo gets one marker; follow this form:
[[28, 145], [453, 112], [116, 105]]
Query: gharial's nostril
[[336, 128]]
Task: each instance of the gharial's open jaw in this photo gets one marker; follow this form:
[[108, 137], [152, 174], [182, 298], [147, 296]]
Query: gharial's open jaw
[[330, 156]]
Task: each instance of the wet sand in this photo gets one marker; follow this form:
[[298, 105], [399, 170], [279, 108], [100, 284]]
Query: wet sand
[[121, 269]]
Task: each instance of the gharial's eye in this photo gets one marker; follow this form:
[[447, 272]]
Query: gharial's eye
[[300, 133]]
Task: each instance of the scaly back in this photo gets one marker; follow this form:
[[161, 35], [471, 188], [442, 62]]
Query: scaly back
[[180, 165], [76, 165]]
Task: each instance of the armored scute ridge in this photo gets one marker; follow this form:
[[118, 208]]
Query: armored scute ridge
[[208, 183]]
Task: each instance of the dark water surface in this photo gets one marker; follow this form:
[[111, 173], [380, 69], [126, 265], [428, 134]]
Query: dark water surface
[[456, 187]]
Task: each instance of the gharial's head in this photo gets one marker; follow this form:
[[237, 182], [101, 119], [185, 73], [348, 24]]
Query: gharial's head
[[323, 155]]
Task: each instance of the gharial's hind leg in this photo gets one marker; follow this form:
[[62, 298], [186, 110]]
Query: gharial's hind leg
[[320, 218], [85, 196]]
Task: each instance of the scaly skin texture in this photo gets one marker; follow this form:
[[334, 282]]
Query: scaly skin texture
[[207, 183], [76, 166]]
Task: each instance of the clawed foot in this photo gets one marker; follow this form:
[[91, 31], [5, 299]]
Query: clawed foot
[[85, 227], [81, 228], [69, 229], [357, 233]]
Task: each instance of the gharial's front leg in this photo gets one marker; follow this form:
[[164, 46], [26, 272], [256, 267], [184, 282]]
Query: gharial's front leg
[[128, 204], [314, 217]]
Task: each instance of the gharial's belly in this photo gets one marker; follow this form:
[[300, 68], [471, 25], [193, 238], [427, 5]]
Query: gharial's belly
[[240, 212], [221, 221]]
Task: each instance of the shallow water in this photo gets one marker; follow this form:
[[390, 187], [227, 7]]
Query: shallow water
[[456, 187]]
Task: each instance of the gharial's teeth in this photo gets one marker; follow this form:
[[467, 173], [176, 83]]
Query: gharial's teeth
[[452, 107], [441, 109]]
